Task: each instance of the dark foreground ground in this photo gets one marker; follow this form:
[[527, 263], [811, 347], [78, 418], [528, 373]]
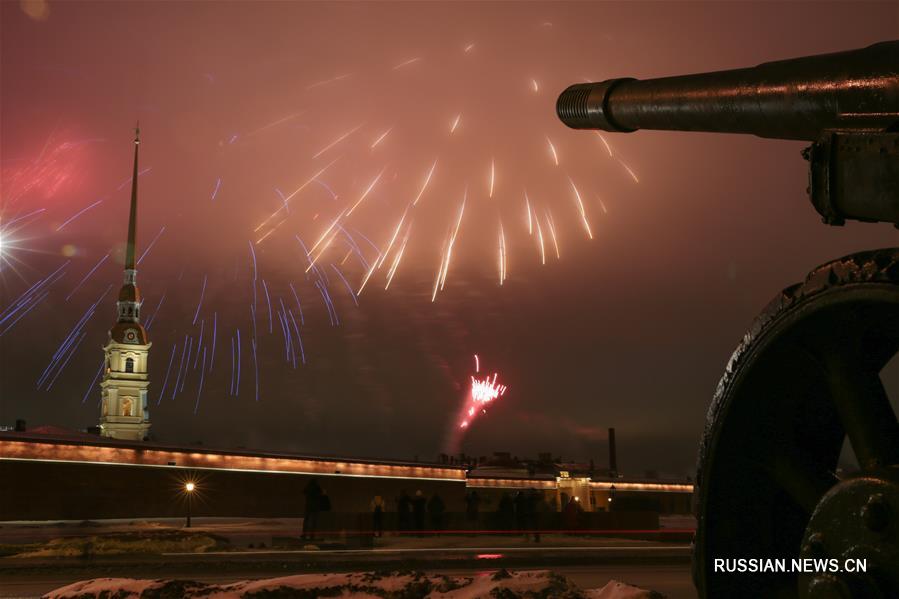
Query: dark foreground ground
[[42, 556], [671, 579]]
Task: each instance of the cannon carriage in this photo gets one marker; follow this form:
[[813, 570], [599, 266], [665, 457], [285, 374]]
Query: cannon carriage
[[806, 376]]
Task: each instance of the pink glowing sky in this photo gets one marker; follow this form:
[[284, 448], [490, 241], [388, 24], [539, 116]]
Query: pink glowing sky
[[239, 104]]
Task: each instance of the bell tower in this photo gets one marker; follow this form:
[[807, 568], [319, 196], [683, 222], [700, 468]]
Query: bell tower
[[124, 413]]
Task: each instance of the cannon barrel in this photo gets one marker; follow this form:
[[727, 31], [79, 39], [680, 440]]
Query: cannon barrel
[[846, 104], [799, 98]]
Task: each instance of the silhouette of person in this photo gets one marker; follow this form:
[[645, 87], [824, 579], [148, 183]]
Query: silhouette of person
[[377, 515], [313, 493], [472, 507], [521, 511], [505, 512], [418, 512], [436, 508], [571, 514], [535, 508], [403, 510]]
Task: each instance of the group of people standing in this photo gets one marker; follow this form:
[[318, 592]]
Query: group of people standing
[[521, 512], [411, 513], [422, 515]]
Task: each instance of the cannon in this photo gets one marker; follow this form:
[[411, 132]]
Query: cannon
[[804, 383]]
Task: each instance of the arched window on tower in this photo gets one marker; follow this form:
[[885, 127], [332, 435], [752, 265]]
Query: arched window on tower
[[129, 364]]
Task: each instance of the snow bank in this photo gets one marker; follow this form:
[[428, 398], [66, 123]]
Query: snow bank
[[365, 585], [620, 590]]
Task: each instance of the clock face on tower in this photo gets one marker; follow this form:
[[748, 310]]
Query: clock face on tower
[[131, 336]]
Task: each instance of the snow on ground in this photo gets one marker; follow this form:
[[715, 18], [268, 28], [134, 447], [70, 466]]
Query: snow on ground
[[620, 590], [365, 585]]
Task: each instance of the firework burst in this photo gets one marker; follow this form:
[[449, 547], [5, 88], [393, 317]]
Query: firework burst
[[482, 392], [413, 188]]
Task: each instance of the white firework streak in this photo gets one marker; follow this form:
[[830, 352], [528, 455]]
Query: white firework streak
[[502, 254], [452, 241], [381, 138], [295, 192], [396, 232], [580, 204], [321, 239], [367, 191], [337, 141], [368, 274], [407, 63], [601, 204], [527, 207], [427, 180], [540, 239], [629, 170], [440, 269], [552, 232], [455, 123], [492, 175], [327, 81], [272, 230], [398, 257], [552, 150], [275, 124], [605, 143], [440, 281]]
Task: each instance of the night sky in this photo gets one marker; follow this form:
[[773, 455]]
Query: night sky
[[242, 104]]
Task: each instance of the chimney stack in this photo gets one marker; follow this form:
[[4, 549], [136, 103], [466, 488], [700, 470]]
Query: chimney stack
[[613, 457]]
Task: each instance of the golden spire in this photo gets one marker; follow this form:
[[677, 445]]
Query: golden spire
[[132, 220]]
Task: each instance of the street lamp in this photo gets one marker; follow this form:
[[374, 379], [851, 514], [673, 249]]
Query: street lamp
[[189, 488]]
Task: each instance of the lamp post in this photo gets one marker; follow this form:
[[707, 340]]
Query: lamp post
[[189, 487]]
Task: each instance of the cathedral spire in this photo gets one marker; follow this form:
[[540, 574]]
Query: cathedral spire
[[124, 412], [129, 296], [132, 220]]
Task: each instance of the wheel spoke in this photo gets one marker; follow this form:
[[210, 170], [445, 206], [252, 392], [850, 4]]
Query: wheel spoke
[[864, 410], [804, 485]]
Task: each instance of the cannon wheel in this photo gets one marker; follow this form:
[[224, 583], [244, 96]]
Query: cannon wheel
[[804, 378]]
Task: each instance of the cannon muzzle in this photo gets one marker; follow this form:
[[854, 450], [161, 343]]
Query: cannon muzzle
[[846, 104], [796, 99]]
